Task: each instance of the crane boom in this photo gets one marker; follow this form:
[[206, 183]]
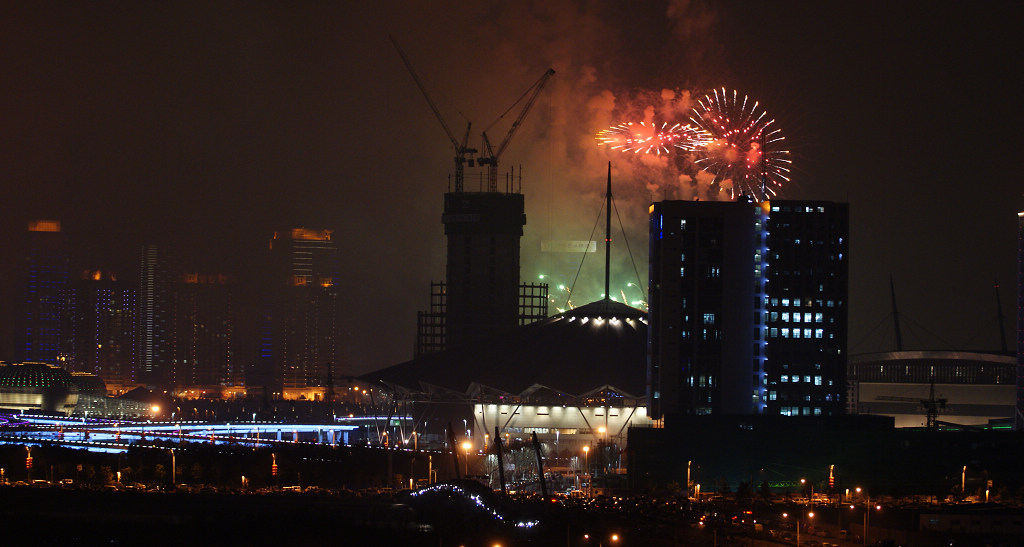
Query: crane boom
[[492, 159], [460, 148]]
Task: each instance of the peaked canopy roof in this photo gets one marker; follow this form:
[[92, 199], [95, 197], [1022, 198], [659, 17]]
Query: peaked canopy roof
[[588, 348]]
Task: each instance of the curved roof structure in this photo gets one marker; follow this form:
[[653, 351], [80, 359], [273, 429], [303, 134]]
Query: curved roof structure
[[601, 346], [37, 387], [34, 375]]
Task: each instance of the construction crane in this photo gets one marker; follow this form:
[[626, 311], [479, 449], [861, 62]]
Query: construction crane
[[931, 404], [461, 150], [491, 160]]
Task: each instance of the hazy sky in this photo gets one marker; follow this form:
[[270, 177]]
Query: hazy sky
[[208, 125]]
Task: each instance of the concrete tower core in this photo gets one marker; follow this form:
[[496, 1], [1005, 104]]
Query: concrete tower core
[[482, 273]]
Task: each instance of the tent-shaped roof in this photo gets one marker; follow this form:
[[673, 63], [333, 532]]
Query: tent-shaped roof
[[599, 344]]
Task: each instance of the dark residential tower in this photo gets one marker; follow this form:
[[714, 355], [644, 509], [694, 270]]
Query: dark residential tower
[[299, 331], [1019, 419], [747, 308], [104, 326], [204, 332], [44, 334]]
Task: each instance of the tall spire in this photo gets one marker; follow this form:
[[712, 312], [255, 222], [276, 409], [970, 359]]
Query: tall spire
[[608, 236], [895, 315]]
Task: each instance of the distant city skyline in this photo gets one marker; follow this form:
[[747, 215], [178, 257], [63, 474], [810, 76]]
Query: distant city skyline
[[208, 127]]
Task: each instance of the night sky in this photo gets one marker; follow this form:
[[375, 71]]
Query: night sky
[[208, 125]]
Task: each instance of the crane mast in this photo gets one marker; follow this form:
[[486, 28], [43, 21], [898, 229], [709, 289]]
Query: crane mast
[[491, 161], [460, 147]]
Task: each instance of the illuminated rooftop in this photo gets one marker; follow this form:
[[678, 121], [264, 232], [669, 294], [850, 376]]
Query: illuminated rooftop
[[574, 353], [44, 226]]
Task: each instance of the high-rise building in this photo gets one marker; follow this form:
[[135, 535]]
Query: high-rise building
[[483, 230], [204, 329], [481, 296], [155, 321], [747, 308], [1019, 421], [104, 322], [299, 347], [43, 334]]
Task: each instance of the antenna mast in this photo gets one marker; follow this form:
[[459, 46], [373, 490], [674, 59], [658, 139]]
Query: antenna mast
[[1002, 327], [608, 235], [895, 315]]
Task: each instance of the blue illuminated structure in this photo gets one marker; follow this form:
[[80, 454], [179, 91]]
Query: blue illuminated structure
[[747, 308]]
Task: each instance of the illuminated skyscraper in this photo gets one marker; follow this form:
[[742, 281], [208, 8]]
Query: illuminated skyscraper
[[155, 320], [43, 334], [747, 308], [299, 344]]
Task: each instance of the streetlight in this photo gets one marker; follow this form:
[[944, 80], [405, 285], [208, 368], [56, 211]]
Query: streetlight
[[174, 478], [466, 446], [586, 469]]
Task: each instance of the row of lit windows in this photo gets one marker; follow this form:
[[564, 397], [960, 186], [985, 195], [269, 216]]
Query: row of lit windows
[[796, 333], [797, 411], [796, 379], [805, 209], [806, 302], [807, 317], [712, 272], [706, 334]]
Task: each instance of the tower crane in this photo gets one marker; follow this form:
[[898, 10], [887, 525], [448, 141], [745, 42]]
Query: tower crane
[[931, 405], [491, 160], [461, 150]]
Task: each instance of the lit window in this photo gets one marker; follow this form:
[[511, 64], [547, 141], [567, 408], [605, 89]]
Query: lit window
[[818, 317], [709, 319], [807, 318], [785, 302], [818, 333], [796, 301], [785, 316], [807, 333], [774, 316], [817, 411], [796, 379], [796, 317], [817, 380], [785, 333], [796, 333], [784, 379], [771, 395], [682, 272], [807, 379], [682, 224], [773, 333], [682, 257]]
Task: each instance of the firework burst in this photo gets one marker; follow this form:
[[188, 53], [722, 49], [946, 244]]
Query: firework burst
[[644, 138], [745, 150]]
